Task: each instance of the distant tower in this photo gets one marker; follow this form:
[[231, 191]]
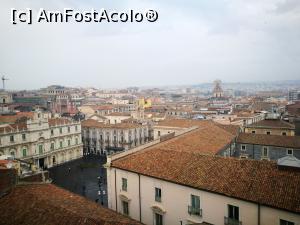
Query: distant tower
[[218, 92], [3, 81]]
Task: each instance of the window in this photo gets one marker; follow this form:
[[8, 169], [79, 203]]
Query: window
[[158, 219], [76, 128], [12, 154], [69, 142], [12, 138], [60, 130], [52, 146], [194, 208], [125, 208], [52, 132], [233, 213], [265, 152], [243, 147], [285, 222], [23, 137], [124, 184], [283, 133], [268, 132], [76, 141], [158, 133], [69, 129], [253, 132], [289, 152], [40, 149], [60, 144], [157, 194], [24, 152]]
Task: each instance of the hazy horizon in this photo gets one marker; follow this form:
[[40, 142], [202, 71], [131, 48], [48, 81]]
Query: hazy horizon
[[192, 42]]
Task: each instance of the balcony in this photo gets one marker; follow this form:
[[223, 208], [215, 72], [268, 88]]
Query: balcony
[[231, 221], [194, 211], [157, 199]]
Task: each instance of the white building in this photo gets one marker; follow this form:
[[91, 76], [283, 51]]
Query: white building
[[173, 182], [105, 138], [42, 141]]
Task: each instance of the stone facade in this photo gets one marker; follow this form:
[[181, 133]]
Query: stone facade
[[42, 141], [99, 138]]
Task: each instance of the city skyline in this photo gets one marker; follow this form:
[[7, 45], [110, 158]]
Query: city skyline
[[190, 43]]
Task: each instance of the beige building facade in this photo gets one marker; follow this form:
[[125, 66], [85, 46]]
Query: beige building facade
[[43, 141], [175, 203]]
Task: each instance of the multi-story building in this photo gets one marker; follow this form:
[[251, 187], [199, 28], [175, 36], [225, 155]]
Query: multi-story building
[[41, 140], [271, 127], [173, 182], [105, 138], [269, 147], [294, 95]]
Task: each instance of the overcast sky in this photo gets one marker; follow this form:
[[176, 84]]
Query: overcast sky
[[193, 41]]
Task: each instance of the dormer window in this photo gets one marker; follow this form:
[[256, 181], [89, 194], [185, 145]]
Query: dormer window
[[243, 147], [289, 152]]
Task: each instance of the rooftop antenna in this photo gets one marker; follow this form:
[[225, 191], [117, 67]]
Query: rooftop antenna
[[3, 81]]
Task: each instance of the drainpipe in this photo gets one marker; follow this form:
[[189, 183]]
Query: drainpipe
[[258, 214], [140, 206], [116, 190]]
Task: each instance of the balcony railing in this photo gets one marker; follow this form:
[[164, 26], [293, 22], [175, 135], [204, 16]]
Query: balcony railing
[[157, 199], [231, 221], [194, 211]]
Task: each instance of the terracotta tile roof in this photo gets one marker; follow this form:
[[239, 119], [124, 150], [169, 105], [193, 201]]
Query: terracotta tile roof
[[58, 121], [47, 204], [14, 118], [90, 123], [269, 123], [102, 107], [119, 114], [269, 140], [256, 181], [182, 123], [13, 127], [233, 129]]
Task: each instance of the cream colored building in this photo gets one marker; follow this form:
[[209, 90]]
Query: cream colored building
[[104, 138], [176, 199], [171, 182], [42, 141]]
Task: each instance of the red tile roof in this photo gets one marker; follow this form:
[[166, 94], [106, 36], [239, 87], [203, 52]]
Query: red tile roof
[[58, 121], [14, 118], [90, 123], [47, 204], [270, 140], [269, 123], [255, 181], [182, 123]]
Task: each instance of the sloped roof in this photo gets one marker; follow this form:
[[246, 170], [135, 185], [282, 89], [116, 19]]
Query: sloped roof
[[48, 204], [251, 180], [269, 140], [272, 123]]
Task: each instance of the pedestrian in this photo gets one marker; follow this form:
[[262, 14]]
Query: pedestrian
[[69, 169]]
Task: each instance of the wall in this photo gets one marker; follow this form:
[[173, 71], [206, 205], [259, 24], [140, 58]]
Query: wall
[[176, 199], [272, 130], [254, 151]]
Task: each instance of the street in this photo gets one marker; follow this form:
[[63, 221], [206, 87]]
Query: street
[[85, 176]]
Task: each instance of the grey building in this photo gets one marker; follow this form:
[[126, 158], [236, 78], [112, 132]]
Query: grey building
[[269, 147]]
